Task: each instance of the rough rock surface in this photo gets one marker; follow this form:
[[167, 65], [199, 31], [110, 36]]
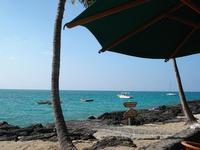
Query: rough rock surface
[[112, 141], [145, 116], [39, 132], [173, 143]]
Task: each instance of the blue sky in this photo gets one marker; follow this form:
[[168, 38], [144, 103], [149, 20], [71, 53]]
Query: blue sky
[[26, 52]]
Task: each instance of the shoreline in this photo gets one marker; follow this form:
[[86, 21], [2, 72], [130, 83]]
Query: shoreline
[[116, 117], [29, 112], [143, 137], [149, 126]]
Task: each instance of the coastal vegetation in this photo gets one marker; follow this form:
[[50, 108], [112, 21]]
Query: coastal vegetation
[[63, 136], [186, 110], [62, 132]]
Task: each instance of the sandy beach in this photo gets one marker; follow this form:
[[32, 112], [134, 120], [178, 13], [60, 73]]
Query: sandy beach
[[141, 136]]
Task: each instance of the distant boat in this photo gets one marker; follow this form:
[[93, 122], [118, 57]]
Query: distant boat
[[86, 100], [171, 94], [44, 102], [48, 102], [124, 95]]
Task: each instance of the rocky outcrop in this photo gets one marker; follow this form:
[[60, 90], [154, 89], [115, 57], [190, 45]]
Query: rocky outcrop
[[5, 126], [144, 116], [39, 132], [92, 117], [112, 141]]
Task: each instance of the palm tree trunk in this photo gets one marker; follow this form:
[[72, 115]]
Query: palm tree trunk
[[186, 110], [61, 128]]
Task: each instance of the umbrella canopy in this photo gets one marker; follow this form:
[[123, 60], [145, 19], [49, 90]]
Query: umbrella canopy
[[160, 29]]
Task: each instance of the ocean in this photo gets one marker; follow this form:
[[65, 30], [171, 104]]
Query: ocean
[[19, 107]]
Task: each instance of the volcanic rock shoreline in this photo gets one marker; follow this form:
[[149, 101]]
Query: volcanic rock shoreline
[[162, 114], [85, 129]]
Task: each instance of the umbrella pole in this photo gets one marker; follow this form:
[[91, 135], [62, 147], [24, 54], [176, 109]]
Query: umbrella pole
[[186, 110]]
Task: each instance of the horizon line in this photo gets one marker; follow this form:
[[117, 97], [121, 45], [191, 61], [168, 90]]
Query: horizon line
[[97, 90]]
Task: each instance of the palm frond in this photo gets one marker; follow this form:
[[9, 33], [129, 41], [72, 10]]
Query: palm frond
[[87, 3]]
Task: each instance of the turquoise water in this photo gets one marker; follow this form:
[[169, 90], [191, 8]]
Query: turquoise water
[[20, 106]]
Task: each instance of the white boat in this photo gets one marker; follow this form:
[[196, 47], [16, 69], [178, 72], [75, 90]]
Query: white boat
[[124, 95], [171, 94]]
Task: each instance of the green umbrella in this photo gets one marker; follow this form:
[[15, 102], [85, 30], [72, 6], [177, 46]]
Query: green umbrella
[[158, 29]]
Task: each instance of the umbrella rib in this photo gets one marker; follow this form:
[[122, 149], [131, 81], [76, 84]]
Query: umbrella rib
[[140, 29], [190, 5], [181, 20], [189, 35], [106, 13]]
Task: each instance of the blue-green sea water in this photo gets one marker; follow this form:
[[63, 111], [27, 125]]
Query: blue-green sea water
[[20, 107]]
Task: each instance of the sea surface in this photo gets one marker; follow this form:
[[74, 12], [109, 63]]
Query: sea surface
[[20, 107]]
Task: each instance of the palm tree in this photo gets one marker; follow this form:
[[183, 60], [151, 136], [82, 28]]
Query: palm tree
[[186, 110], [61, 128]]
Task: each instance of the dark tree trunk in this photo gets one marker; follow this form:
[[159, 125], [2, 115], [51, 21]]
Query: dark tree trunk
[[63, 138], [184, 104]]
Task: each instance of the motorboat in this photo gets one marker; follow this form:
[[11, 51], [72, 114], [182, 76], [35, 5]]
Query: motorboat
[[44, 102], [86, 100], [48, 102], [171, 94], [124, 95]]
